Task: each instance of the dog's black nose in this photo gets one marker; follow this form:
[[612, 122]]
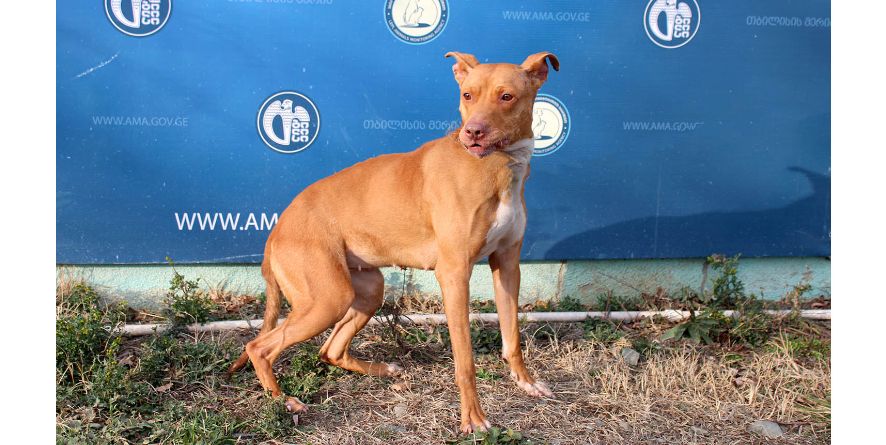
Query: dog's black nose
[[475, 131]]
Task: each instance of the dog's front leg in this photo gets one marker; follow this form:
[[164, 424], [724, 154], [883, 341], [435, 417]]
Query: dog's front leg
[[505, 264], [453, 277]]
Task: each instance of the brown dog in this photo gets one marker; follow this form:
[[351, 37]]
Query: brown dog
[[444, 206]]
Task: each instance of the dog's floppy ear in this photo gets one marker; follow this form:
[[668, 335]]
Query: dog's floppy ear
[[536, 66], [464, 63]]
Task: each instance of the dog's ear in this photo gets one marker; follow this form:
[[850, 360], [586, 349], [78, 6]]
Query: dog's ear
[[536, 66], [464, 63]]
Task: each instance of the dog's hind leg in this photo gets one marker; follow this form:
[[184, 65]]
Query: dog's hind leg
[[369, 296], [272, 311], [319, 287]]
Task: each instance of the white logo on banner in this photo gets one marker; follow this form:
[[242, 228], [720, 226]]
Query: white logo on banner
[[288, 122], [416, 21], [138, 18], [550, 124], [671, 23]]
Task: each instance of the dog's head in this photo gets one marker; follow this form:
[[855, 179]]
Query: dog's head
[[497, 99]]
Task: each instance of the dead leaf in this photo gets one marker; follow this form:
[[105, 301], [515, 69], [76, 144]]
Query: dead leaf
[[400, 386]]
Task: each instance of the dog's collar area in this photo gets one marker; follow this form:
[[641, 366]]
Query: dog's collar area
[[521, 151], [522, 144]]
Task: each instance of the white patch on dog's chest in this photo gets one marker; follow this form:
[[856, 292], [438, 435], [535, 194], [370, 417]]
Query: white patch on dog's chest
[[510, 216]]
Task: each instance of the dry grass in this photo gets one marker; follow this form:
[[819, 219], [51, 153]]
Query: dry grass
[[675, 396], [682, 394], [65, 280], [678, 393]]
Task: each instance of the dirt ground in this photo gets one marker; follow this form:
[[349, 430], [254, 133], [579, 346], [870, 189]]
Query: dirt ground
[[172, 388], [679, 395]]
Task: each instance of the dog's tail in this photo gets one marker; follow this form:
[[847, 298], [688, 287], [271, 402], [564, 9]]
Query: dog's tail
[[272, 311]]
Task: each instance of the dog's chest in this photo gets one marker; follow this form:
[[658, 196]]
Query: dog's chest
[[509, 222]]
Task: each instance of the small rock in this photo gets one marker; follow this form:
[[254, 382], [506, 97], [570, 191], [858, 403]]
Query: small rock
[[630, 356], [766, 428], [699, 431], [400, 410], [395, 429], [295, 419]]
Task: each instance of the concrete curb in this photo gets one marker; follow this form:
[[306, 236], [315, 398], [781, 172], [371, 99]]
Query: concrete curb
[[143, 286]]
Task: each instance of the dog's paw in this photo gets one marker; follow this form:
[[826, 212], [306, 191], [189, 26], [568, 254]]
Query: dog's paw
[[295, 406], [537, 389], [475, 425]]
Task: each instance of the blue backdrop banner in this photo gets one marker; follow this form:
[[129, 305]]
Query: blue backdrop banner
[[674, 128]]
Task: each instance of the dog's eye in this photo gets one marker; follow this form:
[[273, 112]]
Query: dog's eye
[[506, 97], [467, 96]]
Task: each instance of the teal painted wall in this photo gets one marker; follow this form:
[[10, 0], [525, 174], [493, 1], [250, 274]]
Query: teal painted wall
[[770, 278]]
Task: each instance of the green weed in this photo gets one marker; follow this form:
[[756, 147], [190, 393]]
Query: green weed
[[87, 370], [570, 304], [544, 332], [703, 327], [599, 330], [495, 436], [485, 374], [111, 387], [645, 346], [81, 333], [805, 347], [610, 303], [727, 288], [165, 357], [484, 339], [417, 335], [185, 302], [306, 373], [201, 426], [752, 327], [273, 420]]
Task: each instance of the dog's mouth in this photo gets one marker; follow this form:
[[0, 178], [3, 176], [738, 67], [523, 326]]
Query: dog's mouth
[[478, 149], [481, 150]]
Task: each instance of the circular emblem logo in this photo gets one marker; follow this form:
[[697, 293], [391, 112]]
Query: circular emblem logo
[[416, 21], [138, 18], [672, 23], [288, 122], [550, 124]]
